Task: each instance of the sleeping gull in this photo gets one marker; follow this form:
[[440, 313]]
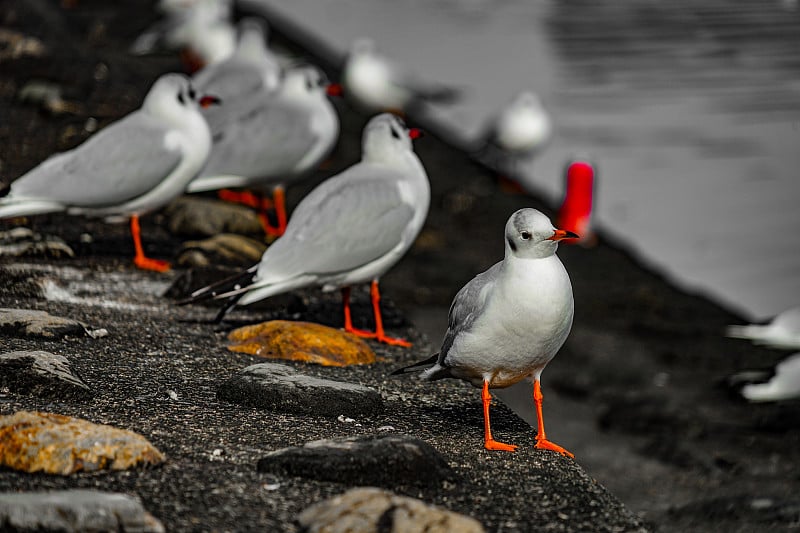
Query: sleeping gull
[[508, 322]]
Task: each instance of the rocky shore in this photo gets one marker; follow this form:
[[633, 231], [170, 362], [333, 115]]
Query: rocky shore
[[635, 393]]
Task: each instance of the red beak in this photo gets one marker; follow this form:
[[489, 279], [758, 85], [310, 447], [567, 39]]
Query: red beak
[[208, 100], [560, 235], [334, 89], [415, 133]]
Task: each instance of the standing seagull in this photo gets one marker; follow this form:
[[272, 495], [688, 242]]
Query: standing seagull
[[267, 139], [507, 323], [131, 167], [350, 229], [375, 83]]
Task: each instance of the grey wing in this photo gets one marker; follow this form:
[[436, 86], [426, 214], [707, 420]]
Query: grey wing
[[259, 140], [466, 308], [345, 223], [121, 162], [228, 80]]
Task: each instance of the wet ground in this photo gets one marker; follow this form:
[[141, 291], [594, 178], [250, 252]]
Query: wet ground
[[635, 393]]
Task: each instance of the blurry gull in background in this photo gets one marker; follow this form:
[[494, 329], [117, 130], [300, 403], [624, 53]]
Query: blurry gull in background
[[269, 138], [782, 332], [508, 322], [779, 383], [133, 166], [375, 83], [350, 229]]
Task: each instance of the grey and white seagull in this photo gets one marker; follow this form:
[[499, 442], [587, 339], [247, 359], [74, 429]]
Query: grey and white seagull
[[507, 323]]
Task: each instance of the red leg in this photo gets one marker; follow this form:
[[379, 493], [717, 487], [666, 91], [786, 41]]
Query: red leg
[[379, 333], [245, 198], [488, 442], [541, 439], [141, 260], [279, 201]]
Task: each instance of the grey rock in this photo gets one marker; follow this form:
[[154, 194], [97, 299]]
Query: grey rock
[[281, 388], [75, 510], [193, 216], [24, 242], [370, 510], [29, 323], [384, 461], [225, 248], [41, 374]]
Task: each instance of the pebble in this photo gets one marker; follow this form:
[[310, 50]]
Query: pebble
[[24, 242], [376, 460], [42, 374], [194, 216], [301, 341], [57, 444], [222, 249], [372, 510], [76, 510], [30, 323], [281, 388]]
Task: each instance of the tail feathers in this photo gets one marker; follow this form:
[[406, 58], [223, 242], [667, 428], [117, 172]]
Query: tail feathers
[[224, 288], [419, 366], [10, 207], [741, 332]]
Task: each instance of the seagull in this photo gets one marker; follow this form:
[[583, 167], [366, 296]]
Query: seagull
[[782, 332], [201, 29], [575, 213], [780, 383], [350, 229], [508, 322], [131, 167], [523, 128], [268, 138], [251, 69], [377, 84]]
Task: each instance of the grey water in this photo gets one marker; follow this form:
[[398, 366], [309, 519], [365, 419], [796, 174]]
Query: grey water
[[690, 111]]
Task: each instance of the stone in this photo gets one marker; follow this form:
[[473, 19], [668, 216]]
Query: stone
[[24, 242], [42, 374], [382, 461], [74, 511], [225, 248], [301, 341], [30, 323], [372, 510], [57, 444], [196, 216], [281, 388]]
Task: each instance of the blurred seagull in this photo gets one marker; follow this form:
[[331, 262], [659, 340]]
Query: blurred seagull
[[251, 69], [508, 322], [783, 332], [135, 165], [200, 29], [269, 138], [523, 128], [350, 229], [377, 84], [780, 383]]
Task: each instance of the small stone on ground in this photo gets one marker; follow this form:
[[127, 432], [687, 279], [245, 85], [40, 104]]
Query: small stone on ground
[[40, 373], [29, 323]]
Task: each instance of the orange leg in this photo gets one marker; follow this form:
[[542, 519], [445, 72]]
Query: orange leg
[[262, 205], [141, 260], [488, 442], [279, 201], [541, 439], [379, 333], [245, 198]]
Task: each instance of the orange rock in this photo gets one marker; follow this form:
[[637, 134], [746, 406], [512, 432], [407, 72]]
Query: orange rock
[[301, 341], [57, 444]]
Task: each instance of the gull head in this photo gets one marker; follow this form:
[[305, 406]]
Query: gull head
[[531, 235], [304, 81], [386, 136], [173, 98]]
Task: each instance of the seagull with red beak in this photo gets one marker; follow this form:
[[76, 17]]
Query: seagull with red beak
[[133, 166], [507, 323], [350, 229]]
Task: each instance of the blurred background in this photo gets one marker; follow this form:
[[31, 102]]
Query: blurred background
[[689, 110]]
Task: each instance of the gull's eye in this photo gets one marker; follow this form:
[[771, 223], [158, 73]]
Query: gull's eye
[[181, 99], [525, 235], [192, 94], [395, 134]]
